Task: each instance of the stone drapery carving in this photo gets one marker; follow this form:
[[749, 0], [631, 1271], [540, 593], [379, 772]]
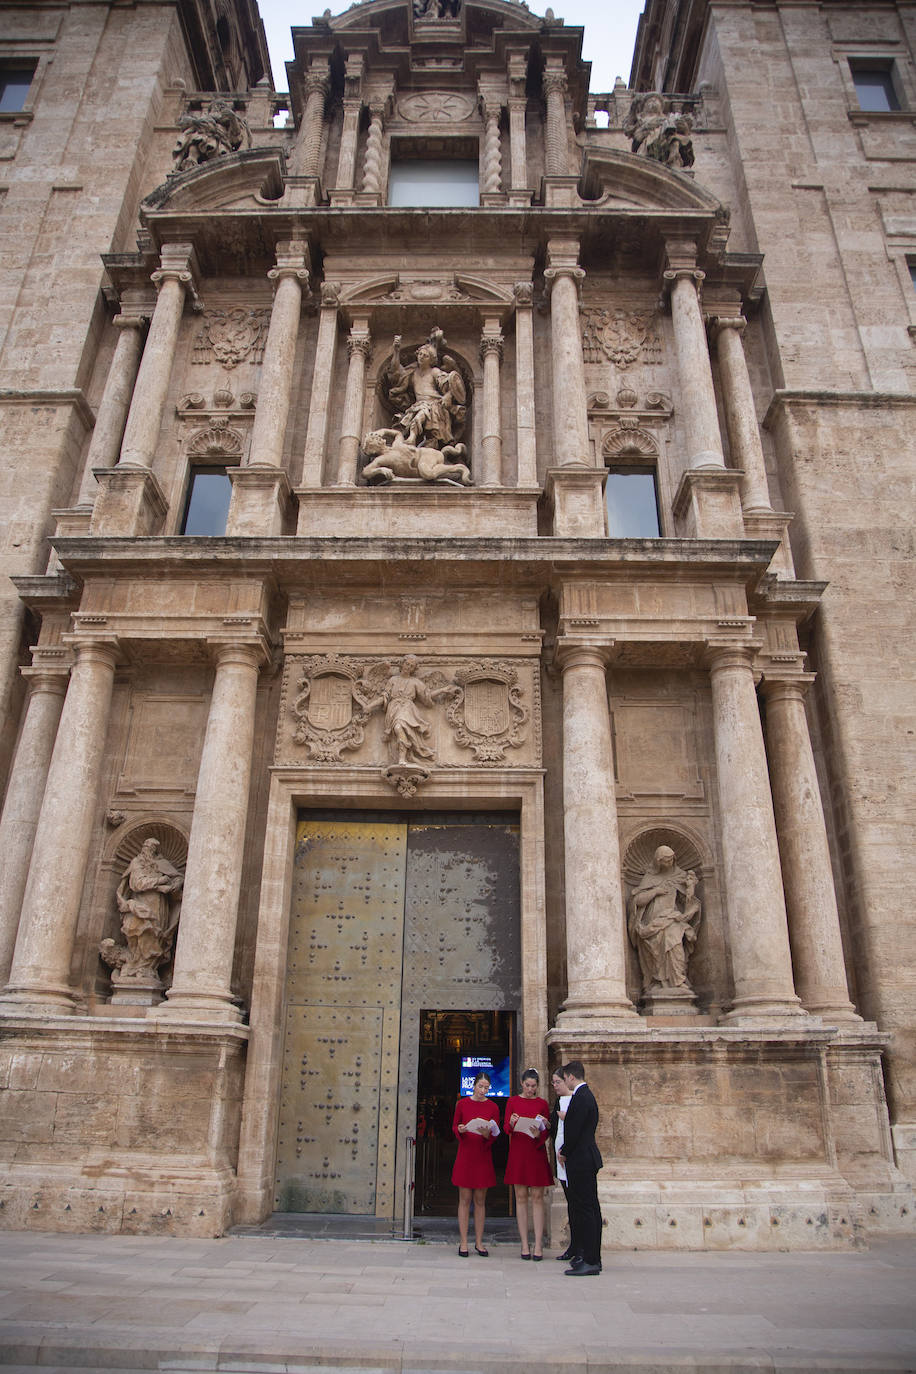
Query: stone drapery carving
[[660, 132], [231, 337], [621, 336], [486, 713], [402, 691], [147, 897], [663, 917], [427, 398], [207, 134]]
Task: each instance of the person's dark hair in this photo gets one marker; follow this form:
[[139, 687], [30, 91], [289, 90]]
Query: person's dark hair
[[530, 1073], [575, 1067], [482, 1074]]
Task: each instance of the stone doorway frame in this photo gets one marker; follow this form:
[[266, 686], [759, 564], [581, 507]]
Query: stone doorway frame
[[519, 790]]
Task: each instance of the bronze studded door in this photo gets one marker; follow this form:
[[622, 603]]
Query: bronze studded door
[[388, 916]]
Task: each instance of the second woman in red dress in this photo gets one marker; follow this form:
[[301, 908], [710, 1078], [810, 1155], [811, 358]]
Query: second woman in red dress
[[526, 1123], [473, 1173]]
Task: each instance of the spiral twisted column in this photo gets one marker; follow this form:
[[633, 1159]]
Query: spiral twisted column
[[373, 162], [490, 181], [359, 350], [40, 972], [317, 86], [557, 155]]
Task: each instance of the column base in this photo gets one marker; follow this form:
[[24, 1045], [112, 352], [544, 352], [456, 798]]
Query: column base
[[707, 504], [260, 501], [574, 502], [46, 1000], [196, 1006], [750, 1011], [130, 502], [832, 1012], [589, 1016]]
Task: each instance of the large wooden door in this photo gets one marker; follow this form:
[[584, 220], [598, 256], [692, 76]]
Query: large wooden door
[[389, 915]]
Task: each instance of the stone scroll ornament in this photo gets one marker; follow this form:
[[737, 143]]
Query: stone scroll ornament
[[486, 712], [148, 902], [208, 134], [425, 393]]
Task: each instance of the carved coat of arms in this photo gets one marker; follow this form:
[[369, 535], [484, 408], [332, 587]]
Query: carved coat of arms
[[329, 707], [230, 336], [486, 713], [621, 336]]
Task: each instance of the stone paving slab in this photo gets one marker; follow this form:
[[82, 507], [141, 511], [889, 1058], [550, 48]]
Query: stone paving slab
[[258, 1305]]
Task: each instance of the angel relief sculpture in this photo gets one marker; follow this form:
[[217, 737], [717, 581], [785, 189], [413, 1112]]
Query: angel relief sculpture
[[427, 399], [402, 691]]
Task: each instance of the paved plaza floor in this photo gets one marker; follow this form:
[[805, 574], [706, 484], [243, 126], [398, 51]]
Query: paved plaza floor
[[268, 1304]]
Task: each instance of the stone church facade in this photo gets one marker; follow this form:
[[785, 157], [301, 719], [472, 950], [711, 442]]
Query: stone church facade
[[457, 604]]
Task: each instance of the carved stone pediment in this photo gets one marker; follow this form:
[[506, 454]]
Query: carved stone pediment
[[487, 714], [456, 288]]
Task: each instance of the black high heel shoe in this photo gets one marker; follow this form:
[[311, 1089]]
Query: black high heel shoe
[[525, 1257], [462, 1253], [484, 1253]]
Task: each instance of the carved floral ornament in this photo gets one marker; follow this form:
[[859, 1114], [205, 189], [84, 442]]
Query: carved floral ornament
[[335, 697], [436, 107]]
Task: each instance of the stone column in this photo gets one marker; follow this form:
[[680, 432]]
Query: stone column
[[570, 401], [701, 420], [352, 109], [24, 795], [359, 348], [758, 931], [518, 143], [741, 414], [322, 376], [491, 352], [40, 973], [814, 923], [491, 160], [595, 917], [276, 384], [374, 160], [526, 441], [144, 419], [557, 154], [110, 420], [317, 86], [201, 986]]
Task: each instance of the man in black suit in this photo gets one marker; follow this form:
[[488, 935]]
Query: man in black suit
[[583, 1159]]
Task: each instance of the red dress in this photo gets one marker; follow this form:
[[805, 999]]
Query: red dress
[[528, 1163], [474, 1161]]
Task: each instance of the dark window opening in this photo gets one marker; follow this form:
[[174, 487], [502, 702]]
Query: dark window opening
[[875, 89], [440, 181], [207, 507], [14, 87], [631, 497]]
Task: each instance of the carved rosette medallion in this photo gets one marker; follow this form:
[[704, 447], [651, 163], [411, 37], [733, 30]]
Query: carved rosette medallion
[[436, 107], [328, 707], [487, 714]]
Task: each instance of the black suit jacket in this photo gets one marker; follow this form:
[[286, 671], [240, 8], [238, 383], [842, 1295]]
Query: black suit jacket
[[579, 1149]]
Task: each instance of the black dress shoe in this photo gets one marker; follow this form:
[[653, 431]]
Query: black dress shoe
[[567, 1256], [582, 1270]]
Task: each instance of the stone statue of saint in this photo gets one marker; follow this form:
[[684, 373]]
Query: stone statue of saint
[[149, 915], [402, 691], [660, 135], [206, 134], [663, 916], [427, 400]]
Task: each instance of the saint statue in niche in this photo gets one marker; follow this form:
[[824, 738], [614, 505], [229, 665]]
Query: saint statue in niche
[[146, 897], [664, 915], [427, 399]]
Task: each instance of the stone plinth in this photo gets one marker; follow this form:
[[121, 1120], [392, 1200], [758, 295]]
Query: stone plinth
[[130, 502], [119, 1125], [707, 504], [715, 1138], [574, 502], [429, 511]]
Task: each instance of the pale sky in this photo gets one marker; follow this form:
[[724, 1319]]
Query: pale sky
[[610, 32]]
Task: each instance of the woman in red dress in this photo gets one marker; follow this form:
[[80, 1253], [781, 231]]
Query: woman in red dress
[[527, 1123], [476, 1124]]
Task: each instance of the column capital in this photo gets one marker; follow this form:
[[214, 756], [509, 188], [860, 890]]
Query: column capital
[[491, 342], [578, 655], [719, 657], [330, 295], [42, 677], [554, 274], [278, 274], [672, 275], [718, 324], [523, 291], [316, 82], [131, 320], [555, 81], [245, 653], [178, 262], [785, 687], [94, 649], [359, 343]]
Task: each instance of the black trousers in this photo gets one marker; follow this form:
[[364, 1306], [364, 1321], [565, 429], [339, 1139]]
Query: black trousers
[[584, 1213]]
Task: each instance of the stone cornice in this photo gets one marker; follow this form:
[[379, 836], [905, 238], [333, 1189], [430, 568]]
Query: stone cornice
[[67, 396], [866, 400]]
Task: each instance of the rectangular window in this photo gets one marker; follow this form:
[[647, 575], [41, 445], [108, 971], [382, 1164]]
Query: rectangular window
[[911, 263], [208, 502], [631, 497], [875, 89], [14, 87], [449, 182]]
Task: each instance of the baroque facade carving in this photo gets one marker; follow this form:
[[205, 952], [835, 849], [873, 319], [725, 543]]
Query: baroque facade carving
[[208, 134], [487, 714], [619, 336], [231, 336]]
